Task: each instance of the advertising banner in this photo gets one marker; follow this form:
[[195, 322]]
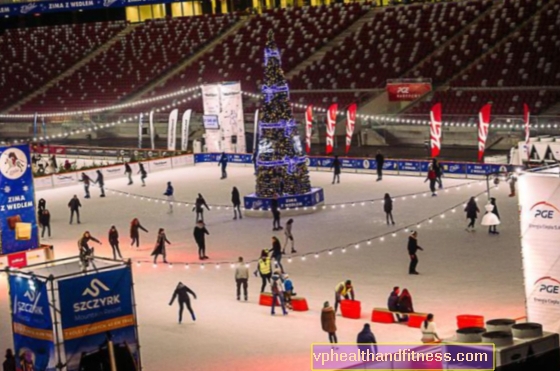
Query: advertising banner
[[312, 198], [43, 182], [152, 130], [308, 127], [18, 223], [97, 313], [435, 130], [407, 91], [539, 206], [185, 122], [65, 179], [331, 124], [172, 130], [231, 118], [179, 161], [483, 128], [350, 124], [161, 164], [32, 324], [115, 171], [211, 105]]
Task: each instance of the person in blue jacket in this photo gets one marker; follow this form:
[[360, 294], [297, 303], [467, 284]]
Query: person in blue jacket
[[223, 161], [288, 291], [170, 198]]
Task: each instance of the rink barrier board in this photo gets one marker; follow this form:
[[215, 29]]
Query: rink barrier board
[[22, 259]]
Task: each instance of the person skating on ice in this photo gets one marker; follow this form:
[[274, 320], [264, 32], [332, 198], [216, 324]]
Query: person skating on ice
[[114, 242], [344, 290], [241, 278], [388, 208], [492, 216], [86, 252], [367, 342], [41, 205], [135, 227], [223, 161], [160, 246], [236, 202], [439, 172], [182, 294], [277, 288], [289, 236], [101, 182], [336, 166], [45, 221], [328, 322], [143, 173], [170, 198], [264, 268], [74, 206], [276, 252], [128, 172], [275, 209], [413, 248], [432, 177], [198, 207], [472, 213], [512, 180], [199, 236], [87, 181], [379, 161]]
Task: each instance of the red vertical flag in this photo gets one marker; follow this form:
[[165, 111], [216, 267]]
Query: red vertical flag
[[350, 124], [483, 127], [526, 119], [435, 129], [331, 123], [308, 127]]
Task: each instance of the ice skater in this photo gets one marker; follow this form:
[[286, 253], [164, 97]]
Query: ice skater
[[86, 252], [336, 166], [264, 268], [379, 161], [472, 213], [328, 322], [74, 206], [114, 242], [388, 208], [413, 248], [236, 201], [223, 161], [432, 177], [439, 172], [143, 173], [289, 236], [128, 172], [277, 253], [199, 236], [87, 181], [492, 216], [101, 182], [274, 207], [512, 181], [160, 246], [366, 340], [45, 221], [182, 293], [241, 278], [344, 290], [135, 227], [198, 206], [170, 198], [277, 287]]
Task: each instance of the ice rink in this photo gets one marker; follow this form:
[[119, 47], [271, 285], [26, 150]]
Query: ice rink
[[461, 272]]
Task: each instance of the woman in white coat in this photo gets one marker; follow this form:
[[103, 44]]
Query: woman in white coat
[[492, 216]]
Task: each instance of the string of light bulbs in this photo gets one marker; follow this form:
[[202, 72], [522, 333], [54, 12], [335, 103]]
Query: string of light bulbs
[[331, 250], [332, 206]]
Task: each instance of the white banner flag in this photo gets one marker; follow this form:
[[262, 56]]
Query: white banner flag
[[140, 126], [185, 129], [152, 131], [172, 130]]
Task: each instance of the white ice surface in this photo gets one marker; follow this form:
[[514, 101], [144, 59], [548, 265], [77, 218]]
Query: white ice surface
[[461, 272]]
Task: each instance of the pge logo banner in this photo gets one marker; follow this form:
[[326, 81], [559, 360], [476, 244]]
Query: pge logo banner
[[94, 309], [18, 223], [32, 324]]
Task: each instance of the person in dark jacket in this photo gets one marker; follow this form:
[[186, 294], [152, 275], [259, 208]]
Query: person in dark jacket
[[413, 247], [366, 343], [277, 288], [379, 160], [276, 252], [328, 322], [182, 293], [114, 242], [169, 193], [198, 206], [101, 182], [45, 221], [54, 164], [135, 227], [439, 171], [472, 213], [236, 201], [87, 181], [223, 161], [405, 302], [199, 236], [9, 363], [336, 165], [86, 252], [41, 205], [274, 207], [393, 299], [388, 208], [432, 177], [160, 246], [143, 173], [128, 172], [74, 206]]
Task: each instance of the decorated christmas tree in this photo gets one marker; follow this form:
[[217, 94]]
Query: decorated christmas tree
[[281, 163]]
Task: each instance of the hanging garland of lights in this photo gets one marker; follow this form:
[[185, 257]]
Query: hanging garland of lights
[[331, 250]]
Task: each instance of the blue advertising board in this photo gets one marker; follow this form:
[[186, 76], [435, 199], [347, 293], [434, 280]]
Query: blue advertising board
[[32, 324], [316, 196], [18, 218], [97, 309]]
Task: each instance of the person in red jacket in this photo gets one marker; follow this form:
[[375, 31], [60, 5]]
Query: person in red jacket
[[432, 177]]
